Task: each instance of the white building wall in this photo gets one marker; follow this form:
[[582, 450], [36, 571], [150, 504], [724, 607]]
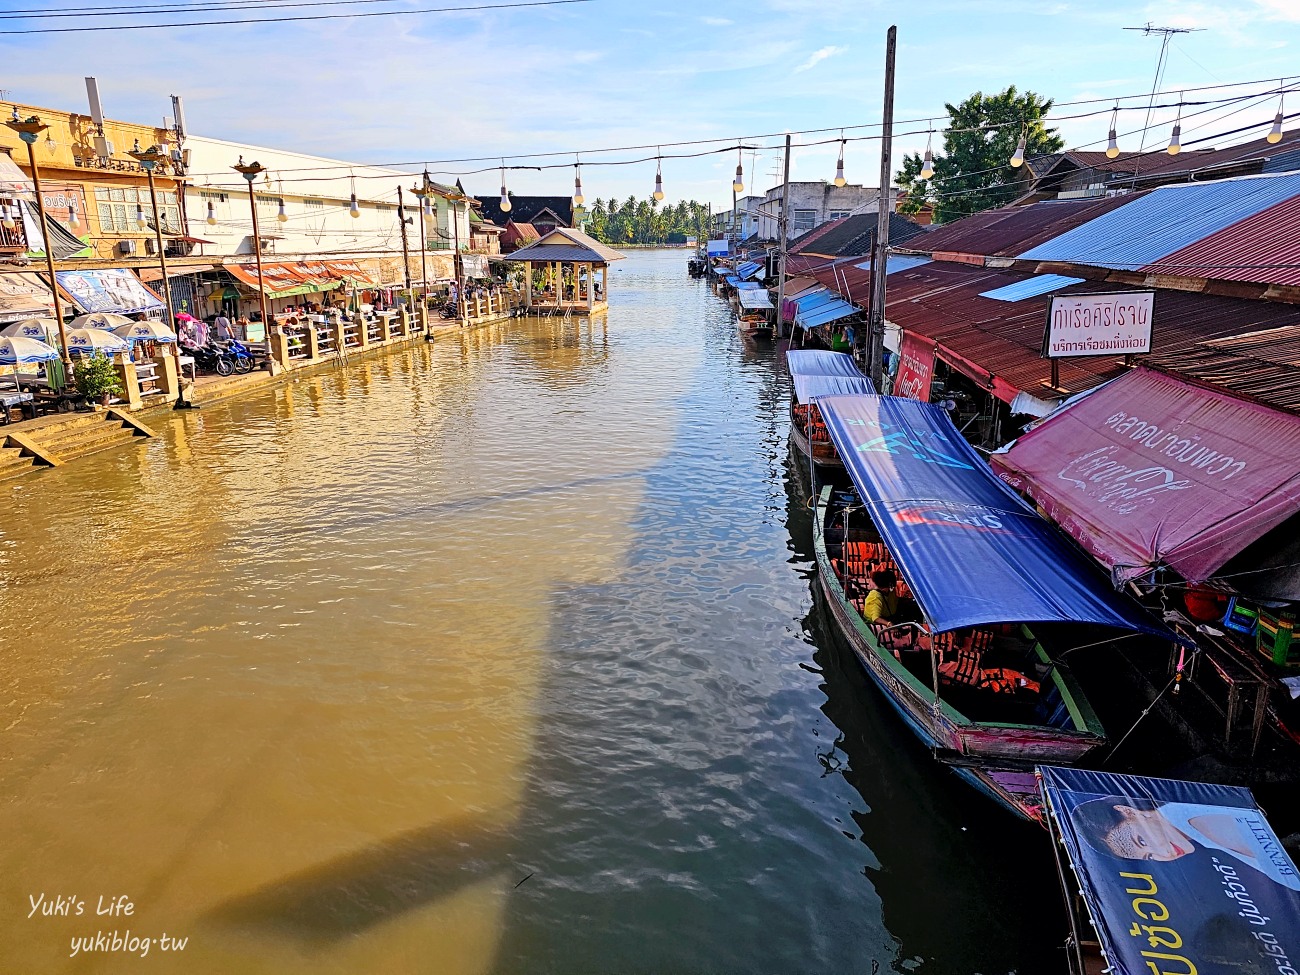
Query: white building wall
[[316, 193], [815, 203]]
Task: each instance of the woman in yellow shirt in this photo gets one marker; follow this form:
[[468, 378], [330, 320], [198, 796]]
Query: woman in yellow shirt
[[882, 600]]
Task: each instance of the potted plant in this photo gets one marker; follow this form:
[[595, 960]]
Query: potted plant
[[96, 378]]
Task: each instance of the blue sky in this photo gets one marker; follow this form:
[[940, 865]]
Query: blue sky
[[627, 72]]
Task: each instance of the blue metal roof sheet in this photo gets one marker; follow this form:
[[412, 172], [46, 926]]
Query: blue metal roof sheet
[[1039, 284], [749, 269], [827, 312], [897, 262], [1165, 220]]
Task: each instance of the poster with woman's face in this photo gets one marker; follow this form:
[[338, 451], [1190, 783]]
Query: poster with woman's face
[[1179, 877]]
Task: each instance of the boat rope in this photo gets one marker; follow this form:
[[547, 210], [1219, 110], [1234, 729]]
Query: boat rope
[[1172, 681]]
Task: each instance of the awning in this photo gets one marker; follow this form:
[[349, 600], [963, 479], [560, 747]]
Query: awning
[[971, 550], [24, 296], [820, 307], [286, 280], [750, 269], [754, 300], [150, 275], [1175, 876], [352, 273], [108, 289], [818, 373], [1153, 470], [748, 286]]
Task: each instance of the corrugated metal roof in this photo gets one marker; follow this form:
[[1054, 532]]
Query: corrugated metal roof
[[1010, 230], [748, 269], [1263, 248], [896, 262], [999, 343], [1165, 220], [1039, 284], [754, 299]]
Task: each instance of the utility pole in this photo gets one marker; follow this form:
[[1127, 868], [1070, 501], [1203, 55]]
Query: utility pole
[[780, 258], [876, 319], [1166, 35], [406, 251]]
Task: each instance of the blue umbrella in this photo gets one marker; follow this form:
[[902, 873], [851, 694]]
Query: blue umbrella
[[14, 350]]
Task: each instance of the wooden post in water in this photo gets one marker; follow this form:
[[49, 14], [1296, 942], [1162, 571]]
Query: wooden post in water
[[876, 327]]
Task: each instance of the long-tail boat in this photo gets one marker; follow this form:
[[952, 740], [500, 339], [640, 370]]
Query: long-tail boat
[[956, 651], [813, 373], [1170, 877]]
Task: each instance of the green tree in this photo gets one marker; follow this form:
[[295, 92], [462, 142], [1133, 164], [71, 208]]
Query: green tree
[[973, 171]]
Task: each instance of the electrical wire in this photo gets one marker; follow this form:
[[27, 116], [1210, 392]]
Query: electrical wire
[[213, 6], [305, 17]]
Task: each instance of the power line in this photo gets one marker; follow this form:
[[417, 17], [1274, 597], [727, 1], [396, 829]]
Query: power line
[[305, 17], [209, 6]]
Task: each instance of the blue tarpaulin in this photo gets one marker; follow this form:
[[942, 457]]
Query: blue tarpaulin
[[819, 373], [750, 269], [971, 550], [1177, 876], [821, 306]]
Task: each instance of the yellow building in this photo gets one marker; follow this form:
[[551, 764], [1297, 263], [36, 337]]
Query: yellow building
[[93, 187]]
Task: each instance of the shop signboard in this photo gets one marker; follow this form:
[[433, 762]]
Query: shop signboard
[[108, 290], [1112, 323], [474, 265], [915, 367]]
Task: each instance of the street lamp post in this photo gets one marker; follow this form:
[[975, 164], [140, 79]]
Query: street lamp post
[[148, 160], [29, 131], [422, 194], [250, 172]]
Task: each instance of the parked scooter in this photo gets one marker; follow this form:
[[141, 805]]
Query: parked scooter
[[212, 358], [241, 357]]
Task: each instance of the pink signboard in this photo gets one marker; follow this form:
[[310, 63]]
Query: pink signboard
[[1152, 470]]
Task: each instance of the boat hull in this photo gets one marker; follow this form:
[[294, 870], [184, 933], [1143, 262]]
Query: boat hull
[[822, 454]]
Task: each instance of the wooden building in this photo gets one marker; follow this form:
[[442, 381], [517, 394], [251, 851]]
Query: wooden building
[[560, 272]]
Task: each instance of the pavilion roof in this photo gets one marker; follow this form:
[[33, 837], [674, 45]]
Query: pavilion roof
[[567, 244]]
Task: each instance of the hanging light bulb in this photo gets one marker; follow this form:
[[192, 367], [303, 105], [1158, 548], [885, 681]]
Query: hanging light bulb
[[927, 164], [50, 144], [212, 214], [659, 181], [7, 217], [506, 205], [140, 220], [738, 184], [1112, 143], [282, 216], [839, 167], [354, 209], [578, 198], [1176, 139], [427, 209], [1018, 158], [1275, 133], [73, 222]]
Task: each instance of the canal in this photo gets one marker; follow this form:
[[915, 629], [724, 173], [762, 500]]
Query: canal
[[495, 655]]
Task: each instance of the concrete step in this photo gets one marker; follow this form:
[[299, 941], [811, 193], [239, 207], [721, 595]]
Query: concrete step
[[83, 440], [14, 464]]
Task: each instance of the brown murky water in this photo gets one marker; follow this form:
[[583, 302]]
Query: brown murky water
[[498, 654]]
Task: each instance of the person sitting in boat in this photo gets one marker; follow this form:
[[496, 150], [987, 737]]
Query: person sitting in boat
[[882, 599], [1143, 829]]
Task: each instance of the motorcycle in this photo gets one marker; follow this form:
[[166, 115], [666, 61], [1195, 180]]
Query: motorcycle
[[240, 355], [210, 357]]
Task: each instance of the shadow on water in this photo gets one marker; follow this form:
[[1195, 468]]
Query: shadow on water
[[716, 786], [344, 897]]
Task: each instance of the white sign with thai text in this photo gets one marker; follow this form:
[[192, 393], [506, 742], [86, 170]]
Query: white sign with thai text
[[1116, 323]]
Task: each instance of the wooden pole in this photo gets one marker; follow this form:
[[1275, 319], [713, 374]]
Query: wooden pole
[[876, 326], [49, 263], [406, 250], [785, 226], [167, 292]]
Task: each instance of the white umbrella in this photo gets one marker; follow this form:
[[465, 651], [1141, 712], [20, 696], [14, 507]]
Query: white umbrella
[[146, 331], [91, 340], [99, 319], [32, 328], [14, 350]]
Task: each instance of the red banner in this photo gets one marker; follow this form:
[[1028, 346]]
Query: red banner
[[915, 367]]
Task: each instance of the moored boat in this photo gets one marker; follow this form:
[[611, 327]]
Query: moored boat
[[967, 574], [813, 373]]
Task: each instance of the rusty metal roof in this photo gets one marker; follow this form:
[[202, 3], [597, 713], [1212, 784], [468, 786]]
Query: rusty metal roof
[[1010, 230], [1263, 248], [1232, 342]]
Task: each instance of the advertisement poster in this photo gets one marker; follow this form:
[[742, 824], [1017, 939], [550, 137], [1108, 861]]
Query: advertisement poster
[[1178, 876], [1116, 323], [915, 367], [109, 290]]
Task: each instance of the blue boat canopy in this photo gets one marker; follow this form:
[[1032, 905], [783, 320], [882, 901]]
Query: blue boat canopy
[[972, 552], [821, 306], [819, 373], [1176, 876]]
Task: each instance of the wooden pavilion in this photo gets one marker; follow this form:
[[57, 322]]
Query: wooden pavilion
[[561, 272]]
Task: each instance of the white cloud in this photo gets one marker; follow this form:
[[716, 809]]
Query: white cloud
[[717, 21], [820, 55]]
